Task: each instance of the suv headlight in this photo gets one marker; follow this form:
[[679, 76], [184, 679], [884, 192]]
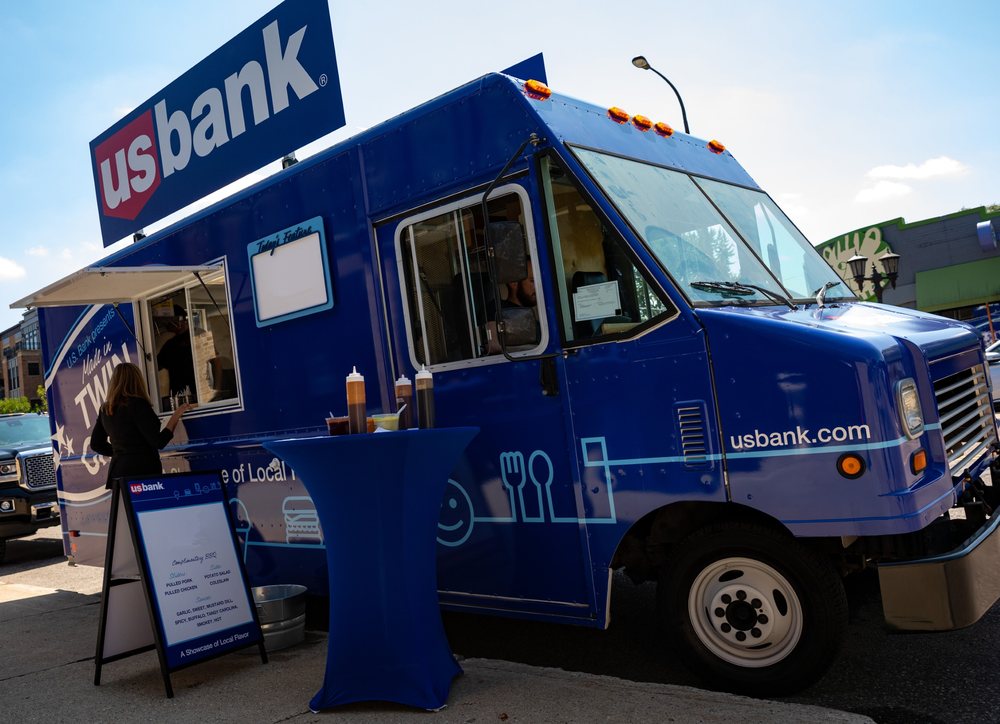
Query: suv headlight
[[910, 415], [8, 470]]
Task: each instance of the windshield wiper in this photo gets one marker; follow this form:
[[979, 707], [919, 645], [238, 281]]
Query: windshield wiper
[[740, 289], [726, 289]]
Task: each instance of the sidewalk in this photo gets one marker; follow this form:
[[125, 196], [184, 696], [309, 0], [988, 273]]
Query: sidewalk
[[47, 671]]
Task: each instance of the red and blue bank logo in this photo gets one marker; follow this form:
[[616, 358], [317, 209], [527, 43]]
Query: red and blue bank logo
[[137, 488], [128, 168], [271, 89]]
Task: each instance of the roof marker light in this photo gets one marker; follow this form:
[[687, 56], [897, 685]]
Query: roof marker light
[[642, 123], [617, 115], [537, 90], [663, 129], [715, 147]]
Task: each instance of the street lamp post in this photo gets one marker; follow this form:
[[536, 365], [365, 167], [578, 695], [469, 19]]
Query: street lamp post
[[888, 276], [640, 61]]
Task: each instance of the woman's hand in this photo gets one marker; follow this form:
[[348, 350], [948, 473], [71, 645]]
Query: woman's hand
[[176, 417]]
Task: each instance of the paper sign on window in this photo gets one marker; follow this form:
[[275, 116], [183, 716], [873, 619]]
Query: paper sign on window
[[596, 301], [290, 273]]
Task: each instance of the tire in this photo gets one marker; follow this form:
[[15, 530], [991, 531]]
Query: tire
[[751, 610], [3, 549]]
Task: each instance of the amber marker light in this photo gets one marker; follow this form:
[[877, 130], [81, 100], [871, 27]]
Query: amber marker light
[[715, 147], [850, 465], [617, 115], [642, 123], [537, 90], [918, 461], [663, 129]]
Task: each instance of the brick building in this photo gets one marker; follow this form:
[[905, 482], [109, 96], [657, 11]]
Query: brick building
[[21, 359]]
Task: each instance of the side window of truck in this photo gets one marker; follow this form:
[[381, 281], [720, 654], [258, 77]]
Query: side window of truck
[[450, 303], [602, 291], [192, 345]]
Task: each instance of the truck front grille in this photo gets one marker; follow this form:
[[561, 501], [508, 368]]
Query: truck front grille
[[39, 472], [966, 411]]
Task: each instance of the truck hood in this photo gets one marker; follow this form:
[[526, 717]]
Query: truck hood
[[936, 336], [10, 451]]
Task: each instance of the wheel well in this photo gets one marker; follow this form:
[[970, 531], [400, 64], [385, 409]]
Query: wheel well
[[646, 546]]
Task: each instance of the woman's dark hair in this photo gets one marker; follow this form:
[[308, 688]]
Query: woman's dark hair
[[126, 381]]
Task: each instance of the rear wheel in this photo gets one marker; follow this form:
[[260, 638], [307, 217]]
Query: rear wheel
[[752, 610], [3, 548]]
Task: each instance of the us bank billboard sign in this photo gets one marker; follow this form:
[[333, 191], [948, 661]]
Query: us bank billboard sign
[[271, 89]]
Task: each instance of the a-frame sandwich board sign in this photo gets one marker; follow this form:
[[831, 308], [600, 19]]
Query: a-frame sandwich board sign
[[173, 578]]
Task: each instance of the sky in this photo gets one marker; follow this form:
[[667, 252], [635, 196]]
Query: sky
[[847, 113]]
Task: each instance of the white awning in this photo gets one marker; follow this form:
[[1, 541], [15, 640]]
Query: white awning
[[105, 285]]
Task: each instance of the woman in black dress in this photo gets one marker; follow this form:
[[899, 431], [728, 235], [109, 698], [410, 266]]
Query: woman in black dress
[[127, 428]]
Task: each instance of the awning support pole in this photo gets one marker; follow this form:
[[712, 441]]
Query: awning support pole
[[142, 349]]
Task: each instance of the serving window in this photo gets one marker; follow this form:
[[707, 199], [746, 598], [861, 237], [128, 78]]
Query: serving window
[[192, 350], [451, 305]]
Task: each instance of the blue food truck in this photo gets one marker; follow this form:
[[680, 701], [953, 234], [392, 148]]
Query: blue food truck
[[667, 378]]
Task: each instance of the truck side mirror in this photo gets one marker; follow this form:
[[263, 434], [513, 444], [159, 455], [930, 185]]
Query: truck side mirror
[[510, 258]]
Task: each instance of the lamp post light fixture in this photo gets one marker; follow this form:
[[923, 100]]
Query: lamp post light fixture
[[888, 276], [640, 61]]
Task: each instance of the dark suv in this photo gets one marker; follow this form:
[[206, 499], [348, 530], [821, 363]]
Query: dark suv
[[27, 477]]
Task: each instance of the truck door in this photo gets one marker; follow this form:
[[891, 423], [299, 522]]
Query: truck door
[[637, 373], [509, 536]]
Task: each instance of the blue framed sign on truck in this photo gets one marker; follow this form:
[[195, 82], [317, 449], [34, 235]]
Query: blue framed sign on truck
[[173, 580]]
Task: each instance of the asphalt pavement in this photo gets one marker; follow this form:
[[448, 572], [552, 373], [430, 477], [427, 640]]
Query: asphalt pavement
[[48, 627]]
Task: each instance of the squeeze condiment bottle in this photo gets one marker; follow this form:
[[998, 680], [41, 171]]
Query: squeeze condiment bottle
[[404, 402], [425, 397], [357, 417]]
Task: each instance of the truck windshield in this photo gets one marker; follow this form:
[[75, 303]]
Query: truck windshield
[[710, 256], [782, 247], [24, 430]]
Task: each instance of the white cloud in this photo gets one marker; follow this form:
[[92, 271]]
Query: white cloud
[[882, 191], [931, 168], [37, 251], [10, 269], [791, 204]]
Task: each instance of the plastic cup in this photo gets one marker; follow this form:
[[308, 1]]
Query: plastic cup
[[338, 425], [387, 422]]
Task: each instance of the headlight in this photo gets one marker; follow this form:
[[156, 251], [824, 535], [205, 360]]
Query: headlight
[[910, 414], [7, 468]]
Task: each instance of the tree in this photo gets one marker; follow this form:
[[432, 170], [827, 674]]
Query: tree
[[14, 404], [992, 208], [43, 405]]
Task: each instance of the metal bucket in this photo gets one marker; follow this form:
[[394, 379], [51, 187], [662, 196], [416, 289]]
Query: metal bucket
[[282, 613]]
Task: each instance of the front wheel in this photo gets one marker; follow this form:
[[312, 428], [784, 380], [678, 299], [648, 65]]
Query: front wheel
[[752, 610]]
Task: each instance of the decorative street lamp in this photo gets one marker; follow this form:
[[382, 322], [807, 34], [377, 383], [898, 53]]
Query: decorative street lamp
[[890, 272], [640, 61]]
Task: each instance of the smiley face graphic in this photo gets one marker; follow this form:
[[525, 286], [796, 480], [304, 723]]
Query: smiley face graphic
[[456, 521]]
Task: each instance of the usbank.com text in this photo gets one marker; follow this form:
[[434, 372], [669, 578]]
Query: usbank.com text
[[799, 436]]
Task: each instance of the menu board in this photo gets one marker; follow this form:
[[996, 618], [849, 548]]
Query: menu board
[[193, 569], [290, 273]]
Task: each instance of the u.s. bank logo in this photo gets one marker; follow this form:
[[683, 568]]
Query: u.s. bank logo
[[203, 111], [131, 163], [137, 488], [127, 165]]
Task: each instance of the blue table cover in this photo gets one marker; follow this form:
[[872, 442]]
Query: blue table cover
[[378, 497]]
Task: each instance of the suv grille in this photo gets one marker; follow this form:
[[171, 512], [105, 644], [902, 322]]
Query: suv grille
[[39, 472], [966, 412]]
